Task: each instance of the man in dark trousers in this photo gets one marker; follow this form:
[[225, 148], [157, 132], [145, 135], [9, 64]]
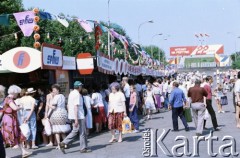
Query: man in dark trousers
[[207, 87], [176, 102]]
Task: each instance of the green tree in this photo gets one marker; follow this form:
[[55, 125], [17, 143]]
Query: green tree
[[156, 51], [7, 38]]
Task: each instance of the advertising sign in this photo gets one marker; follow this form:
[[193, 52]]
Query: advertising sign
[[52, 56], [21, 59], [85, 63], [196, 50], [69, 63]]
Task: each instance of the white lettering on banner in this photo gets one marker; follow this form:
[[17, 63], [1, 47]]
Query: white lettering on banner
[[52, 57], [105, 63], [69, 63]]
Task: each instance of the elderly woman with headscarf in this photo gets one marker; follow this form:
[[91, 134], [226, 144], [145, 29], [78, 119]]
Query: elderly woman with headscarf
[[10, 126], [116, 111]]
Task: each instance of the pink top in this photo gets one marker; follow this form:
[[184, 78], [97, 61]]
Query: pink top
[[133, 98]]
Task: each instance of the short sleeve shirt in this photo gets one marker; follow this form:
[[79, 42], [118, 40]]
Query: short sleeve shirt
[[75, 98]]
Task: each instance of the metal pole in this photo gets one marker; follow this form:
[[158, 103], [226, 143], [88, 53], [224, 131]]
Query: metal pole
[[109, 51]]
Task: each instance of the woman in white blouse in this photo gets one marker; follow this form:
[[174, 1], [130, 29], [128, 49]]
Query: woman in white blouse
[[88, 102], [116, 111]]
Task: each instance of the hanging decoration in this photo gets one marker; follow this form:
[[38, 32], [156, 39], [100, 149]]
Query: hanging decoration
[[25, 21], [98, 33], [36, 28]]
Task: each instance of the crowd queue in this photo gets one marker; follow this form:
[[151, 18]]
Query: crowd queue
[[104, 107]]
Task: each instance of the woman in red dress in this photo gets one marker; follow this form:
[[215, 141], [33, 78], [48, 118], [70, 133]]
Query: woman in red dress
[[10, 127]]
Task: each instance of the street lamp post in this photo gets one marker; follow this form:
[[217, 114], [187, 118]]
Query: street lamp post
[[149, 21], [235, 43], [109, 51], [159, 34]]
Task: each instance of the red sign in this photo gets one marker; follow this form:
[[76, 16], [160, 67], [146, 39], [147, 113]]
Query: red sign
[[85, 63], [196, 50], [21, 59]]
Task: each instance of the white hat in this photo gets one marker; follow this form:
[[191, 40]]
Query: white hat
[[30, 90], [14, 89]]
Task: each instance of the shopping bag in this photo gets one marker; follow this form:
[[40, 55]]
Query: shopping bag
[[25, 130], [47, 126], [206, 115], [224, 100], [126, 125], [187, 114]]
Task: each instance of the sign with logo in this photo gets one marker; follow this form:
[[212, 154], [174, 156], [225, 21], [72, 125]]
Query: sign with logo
[[21, 59], [85, 63], [52, 56], [197, 50], [69, 63], [62, 79]]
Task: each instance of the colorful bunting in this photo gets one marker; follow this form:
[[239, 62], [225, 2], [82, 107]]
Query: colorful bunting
[[25, 21], [4, 19], [62, 20], [85, 25], [45, 15]]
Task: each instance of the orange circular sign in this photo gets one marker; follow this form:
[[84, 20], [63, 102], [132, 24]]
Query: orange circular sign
[[21, 59]]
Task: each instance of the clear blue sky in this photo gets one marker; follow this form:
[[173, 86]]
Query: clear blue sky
[[180, 19]]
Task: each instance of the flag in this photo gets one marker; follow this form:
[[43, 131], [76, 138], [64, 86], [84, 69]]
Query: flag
[[62, 20], [25, 21], [45, 15], [201, 34], [4, 19], [206, 35], [217, 58], [85, 25], [114, 33], [196, 35]]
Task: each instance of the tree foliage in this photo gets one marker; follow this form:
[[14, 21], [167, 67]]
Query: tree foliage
[[157, 52], [73, 39]]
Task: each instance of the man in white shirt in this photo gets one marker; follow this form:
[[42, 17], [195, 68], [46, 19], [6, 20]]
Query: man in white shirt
[[76, 114], [126, 90]]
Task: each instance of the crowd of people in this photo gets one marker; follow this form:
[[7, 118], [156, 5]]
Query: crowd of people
[[104, 108]]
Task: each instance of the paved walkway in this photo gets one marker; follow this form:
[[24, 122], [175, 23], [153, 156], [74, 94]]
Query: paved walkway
[[132, 145]]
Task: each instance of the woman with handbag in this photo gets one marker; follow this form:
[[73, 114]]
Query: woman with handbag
[[116, 111], [29, 117], [218, 94], [98, 109], [58, 116], [10, 127]]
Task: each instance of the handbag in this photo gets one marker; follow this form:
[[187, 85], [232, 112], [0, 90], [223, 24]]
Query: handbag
[[47, 126], [206, 115], [187, 114], [95, 111], [126, 125], [224, 100], [25, 130]]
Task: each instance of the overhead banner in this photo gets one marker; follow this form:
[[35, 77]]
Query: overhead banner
[[121, 67], [69, 63], [52, 57], [21, 59], [196, 50]]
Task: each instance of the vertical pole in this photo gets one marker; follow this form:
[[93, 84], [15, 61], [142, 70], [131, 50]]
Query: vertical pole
[[109, 51]]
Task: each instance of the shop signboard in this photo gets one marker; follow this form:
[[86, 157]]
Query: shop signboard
[[69, 63], [85, 63], [62, 79], [21, 59], [52, 57]]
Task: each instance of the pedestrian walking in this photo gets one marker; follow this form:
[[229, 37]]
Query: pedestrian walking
[[133, 109], [10, 127], [76, 115], [237, 100], [207, 87], [197, 95], [2, 96], [126, 90], [88, 102], [149, 101], [116, 111], [176, 103]]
